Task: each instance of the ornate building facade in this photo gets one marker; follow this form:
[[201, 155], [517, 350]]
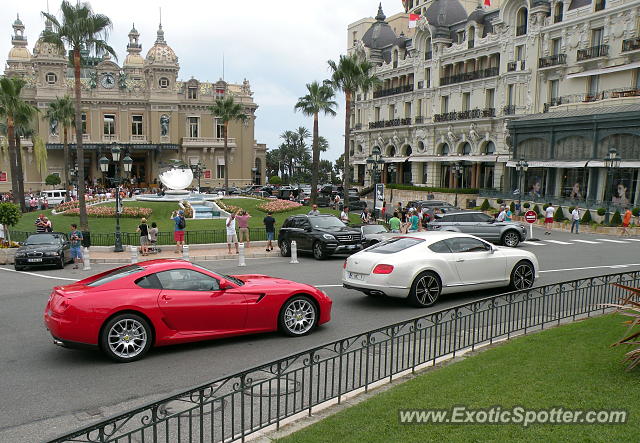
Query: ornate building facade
[[482, 88], [141, 106]]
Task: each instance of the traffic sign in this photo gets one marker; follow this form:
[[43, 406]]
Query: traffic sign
[[530, 216]]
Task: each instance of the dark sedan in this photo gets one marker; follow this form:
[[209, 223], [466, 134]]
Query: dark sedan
[[46, 249]]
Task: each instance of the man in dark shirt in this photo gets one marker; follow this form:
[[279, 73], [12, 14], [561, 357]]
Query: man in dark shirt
[[269, 227]]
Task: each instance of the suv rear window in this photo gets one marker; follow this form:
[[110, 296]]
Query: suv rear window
[[394, 245]]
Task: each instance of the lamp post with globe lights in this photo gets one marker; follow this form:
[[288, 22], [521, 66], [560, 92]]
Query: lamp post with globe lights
[[117, 180], [457, 172], [611, 162], [521, 167], [374, 166], [198, 171]]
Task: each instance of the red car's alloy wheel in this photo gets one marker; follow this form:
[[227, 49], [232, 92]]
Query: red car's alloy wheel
[[298, 316], [126, 338]]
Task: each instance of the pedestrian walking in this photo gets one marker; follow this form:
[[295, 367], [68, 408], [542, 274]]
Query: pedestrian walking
[[314, 210], [344, 215], [180, 224], [269, 227], [75, 243], [231, 232], [243, 227], [394, 223], [575, 219], [626, 221], [548, 219], [143, 230]]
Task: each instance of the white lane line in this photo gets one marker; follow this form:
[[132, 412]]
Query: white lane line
[[558, 242], [588, 241], [528, 242], [611, 241], [39, 275], [633, 239], [591, 267]]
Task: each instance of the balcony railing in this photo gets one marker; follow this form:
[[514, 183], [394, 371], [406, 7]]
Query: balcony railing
[[521, 30], [631, 44], [588, 98], [138, 138], [207, 141], [465, 115], [109, 138], [393, 91], [511, 66], [593, 52], [552, 60], [468, 76], [390, 123], [509, 110], [419, 120]]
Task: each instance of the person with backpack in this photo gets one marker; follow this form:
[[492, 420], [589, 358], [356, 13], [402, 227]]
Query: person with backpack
[[178, 232]]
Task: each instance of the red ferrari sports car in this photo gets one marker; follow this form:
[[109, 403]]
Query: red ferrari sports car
[[126, 310]]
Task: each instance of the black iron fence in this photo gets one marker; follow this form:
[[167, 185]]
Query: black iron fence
[[164, 238], [233, 407]]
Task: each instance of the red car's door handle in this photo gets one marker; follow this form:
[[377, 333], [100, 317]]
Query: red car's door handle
[[165, 297]]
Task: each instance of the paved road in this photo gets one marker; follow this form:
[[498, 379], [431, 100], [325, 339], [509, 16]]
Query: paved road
[[47, 390]]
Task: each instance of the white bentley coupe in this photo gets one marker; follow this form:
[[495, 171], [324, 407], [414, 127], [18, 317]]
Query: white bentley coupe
[[422, 265]]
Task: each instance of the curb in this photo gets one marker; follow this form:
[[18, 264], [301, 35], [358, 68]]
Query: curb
[[191, 258]]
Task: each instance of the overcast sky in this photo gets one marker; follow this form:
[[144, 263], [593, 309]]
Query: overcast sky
[[278, 45]]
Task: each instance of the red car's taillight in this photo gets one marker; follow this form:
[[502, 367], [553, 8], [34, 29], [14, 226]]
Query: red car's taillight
[[383, 269], [344, 265]]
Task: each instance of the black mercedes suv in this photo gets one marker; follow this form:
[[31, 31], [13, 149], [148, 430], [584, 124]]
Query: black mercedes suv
[[322, 235]]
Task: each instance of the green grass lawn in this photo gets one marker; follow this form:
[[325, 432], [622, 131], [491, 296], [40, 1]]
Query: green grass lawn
[[571, 367], [161, 215]]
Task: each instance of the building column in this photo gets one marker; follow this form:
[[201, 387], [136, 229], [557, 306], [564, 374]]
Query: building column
[[433, 174], [498, 172], [416, 172]]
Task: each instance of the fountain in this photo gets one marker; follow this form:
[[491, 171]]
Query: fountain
[[176, 177]]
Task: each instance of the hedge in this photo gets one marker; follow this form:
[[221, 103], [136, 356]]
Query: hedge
[[601, 211], [586, 218], [526, 205], [616, 220], [636, 212], [427, 189], [485, 205], [559, 215]]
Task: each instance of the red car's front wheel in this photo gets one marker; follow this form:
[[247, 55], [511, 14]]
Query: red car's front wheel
[[126, 337], [298, 316]]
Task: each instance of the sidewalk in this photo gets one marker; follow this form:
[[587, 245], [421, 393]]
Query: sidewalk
[[218, 251]]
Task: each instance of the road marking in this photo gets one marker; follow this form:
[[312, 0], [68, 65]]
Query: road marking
[[588, 241], [528, 242], [327, 286], [611, 241], [39, 275], [591, 267], [633, 239], [559, 242]]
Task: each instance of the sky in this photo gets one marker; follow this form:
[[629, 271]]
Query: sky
[[279, 46]]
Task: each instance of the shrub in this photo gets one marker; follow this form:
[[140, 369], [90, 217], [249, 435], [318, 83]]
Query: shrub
[[635, 212], [512, 207], [52, 180], [275, 180], [601, 211], [188, 209], [485, 205], [499, 201], [9, 216], [559, 215], [616, 220], [630, 308], [526, 205], [586, 218], [537, 210]]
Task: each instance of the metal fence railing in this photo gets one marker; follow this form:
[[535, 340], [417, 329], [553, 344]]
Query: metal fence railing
[[233, 407], [164, 238]]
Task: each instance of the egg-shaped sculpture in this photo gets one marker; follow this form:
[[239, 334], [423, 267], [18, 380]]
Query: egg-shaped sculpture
[[176, 177]]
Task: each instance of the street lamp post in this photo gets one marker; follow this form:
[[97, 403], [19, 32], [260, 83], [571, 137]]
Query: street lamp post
[[521, 167], [198, 170], [374, 166], [117, 181], [611, 162], [457, 172]]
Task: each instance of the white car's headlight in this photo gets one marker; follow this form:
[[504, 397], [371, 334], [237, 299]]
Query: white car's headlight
[[328, 236]]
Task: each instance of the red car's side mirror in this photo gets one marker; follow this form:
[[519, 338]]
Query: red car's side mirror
[[224, 285]]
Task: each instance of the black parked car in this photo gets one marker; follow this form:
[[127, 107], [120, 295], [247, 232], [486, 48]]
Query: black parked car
[[372, 234], [46, 249], [322, 235]]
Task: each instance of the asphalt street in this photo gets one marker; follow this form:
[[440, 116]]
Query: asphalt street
[[47, 390]]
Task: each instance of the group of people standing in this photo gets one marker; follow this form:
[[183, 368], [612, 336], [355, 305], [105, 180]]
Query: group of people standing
[[240, 220]]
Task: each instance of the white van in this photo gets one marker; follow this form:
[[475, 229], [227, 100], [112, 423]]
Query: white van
[[55, 196]]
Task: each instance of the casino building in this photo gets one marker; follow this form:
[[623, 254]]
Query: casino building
[[142, 106], [471, 90]]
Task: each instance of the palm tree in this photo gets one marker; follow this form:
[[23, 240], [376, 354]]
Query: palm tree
[[80, 28], [226, 109], [349, 75], [15, 111], [61, 111], [319, 99], [24, 128]]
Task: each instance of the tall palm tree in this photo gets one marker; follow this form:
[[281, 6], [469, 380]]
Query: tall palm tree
[[319, 98], [79, 28], [15, 111], [61, 110], [226, 109], [349, 75]]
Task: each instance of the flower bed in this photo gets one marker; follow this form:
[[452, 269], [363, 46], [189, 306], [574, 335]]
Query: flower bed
[[74, 204], [277, 206], [227, 207], [108, 211]]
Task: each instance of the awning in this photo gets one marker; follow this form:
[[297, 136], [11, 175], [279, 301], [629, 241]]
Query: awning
[[457, 158], [131, 146], [549, 164], [603, 71], [623, 164]]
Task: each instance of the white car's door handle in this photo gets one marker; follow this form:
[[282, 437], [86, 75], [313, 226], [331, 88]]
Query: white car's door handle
[[460, 260]]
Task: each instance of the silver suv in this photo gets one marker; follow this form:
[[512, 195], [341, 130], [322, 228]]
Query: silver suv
[[481, 225]]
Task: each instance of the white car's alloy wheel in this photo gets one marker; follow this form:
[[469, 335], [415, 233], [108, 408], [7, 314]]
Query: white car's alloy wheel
[[425, 290], [522, 276]]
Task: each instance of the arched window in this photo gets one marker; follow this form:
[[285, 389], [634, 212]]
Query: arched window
[[490, 148], [557, 12], [395, 58], [471, 36], [420, 146], [407, 150], [427, 49], [521, 21], [445, 149], [392, 151], [466, 148]]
